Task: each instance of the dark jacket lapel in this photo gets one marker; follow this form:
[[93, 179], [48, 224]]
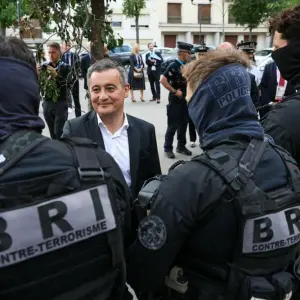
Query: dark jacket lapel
[[93, 130], [134, 151]]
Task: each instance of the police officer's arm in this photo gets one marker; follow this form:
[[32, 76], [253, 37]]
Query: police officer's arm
[[177, 209], [166, 77]]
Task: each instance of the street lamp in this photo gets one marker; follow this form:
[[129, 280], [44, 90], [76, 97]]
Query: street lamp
[[200, 20]]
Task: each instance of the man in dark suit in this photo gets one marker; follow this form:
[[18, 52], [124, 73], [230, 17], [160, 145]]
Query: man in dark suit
[[254, 92], [72, 60], [154, 61], [130, 141], [270, 87]]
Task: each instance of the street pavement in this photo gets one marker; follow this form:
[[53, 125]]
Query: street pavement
[[148, 111]]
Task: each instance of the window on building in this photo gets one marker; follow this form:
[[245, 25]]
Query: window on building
[[231, 18], [174, 12], [144, 22], [231, 39], [170, 41], [197, 39], [204, 11], [116, 20], [252, 39]]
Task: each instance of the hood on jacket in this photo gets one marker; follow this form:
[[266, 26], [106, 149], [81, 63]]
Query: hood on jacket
[[19, 97], [222, 106]]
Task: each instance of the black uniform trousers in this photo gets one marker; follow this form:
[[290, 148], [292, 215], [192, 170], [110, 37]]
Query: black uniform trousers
[[153, 77], [55, 114], [192, 131], [75, 94], [178, 118]]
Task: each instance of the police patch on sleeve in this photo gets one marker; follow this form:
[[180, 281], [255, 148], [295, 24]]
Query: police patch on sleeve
[[152, 233]]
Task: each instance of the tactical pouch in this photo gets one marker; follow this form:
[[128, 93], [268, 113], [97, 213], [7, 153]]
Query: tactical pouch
[[279, 287], [256, 287]]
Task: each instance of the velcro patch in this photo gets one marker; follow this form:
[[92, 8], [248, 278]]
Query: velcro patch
[[42, 228]]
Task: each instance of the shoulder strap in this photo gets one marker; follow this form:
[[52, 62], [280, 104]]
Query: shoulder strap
[[89, 170], [16, 146], [235, 174]]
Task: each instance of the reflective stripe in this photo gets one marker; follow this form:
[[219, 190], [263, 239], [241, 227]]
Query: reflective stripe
[[42, 228], [273, 231]]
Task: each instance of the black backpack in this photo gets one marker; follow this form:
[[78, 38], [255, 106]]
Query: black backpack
[[69, 246]]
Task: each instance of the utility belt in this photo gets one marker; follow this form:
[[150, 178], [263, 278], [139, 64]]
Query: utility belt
[[279, 286]]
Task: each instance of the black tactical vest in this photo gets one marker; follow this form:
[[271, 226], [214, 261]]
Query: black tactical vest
[[269, 223], [66, 247]]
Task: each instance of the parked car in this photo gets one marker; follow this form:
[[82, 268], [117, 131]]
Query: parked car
[[166, 53], [121, 54], [262, 55]]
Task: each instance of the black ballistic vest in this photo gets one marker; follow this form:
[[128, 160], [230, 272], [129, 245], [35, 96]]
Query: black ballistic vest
[[65, 247], [269, 226]]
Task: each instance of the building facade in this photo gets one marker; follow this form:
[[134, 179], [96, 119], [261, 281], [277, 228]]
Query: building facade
[[168, 21]]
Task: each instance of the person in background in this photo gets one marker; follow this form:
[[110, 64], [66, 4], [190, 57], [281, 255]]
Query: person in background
[[254, 93], [177, 111], [136, 76], [73, 61], [282, 123], [40, 56], [56, 112], [154, 61], [248, 48], [199, 53], [105, 51], [273, 87]]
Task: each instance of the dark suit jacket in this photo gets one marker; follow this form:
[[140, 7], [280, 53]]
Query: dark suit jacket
[[144, 159], [85, 63], [268, 87], [254, 91], [149, 63]]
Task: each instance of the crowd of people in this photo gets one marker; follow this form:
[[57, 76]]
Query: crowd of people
[[88, 210]]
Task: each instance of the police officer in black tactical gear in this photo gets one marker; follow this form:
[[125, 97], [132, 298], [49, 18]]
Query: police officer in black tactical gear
[[225, 225], [63, 204], [177, 112]]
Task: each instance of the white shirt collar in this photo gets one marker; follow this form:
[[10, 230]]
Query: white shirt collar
[[124, 126]]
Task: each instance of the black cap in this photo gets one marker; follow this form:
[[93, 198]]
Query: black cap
[[247, 46], [182, 46], [201, 48]]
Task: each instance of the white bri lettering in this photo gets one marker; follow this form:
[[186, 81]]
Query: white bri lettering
[[39, 229], [273, 231]]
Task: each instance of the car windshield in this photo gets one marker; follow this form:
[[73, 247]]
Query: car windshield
[[263, 52]]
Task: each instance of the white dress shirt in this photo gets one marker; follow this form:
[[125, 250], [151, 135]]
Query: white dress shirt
[[117, 146]]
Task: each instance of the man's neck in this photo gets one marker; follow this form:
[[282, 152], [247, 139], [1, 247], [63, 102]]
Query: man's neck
[[113, 122], [54, 63]]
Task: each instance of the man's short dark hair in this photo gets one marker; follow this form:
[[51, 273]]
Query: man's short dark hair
[[54, 45], [149, 44], [287, 23], [14, 47]]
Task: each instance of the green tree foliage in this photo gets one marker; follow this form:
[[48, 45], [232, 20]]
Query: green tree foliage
[[249, 13], [74, 19], [8, 13], [133, 9]]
